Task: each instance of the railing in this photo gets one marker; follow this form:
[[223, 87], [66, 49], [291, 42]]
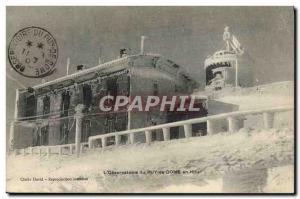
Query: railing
[[233, 119], [56, 149]]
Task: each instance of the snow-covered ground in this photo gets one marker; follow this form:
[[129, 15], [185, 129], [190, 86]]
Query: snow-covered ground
[[264, 96], [251, 160], [210, 157]]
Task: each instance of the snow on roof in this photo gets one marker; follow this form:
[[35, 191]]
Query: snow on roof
[[98, 68], [151, 73], [86, 71]]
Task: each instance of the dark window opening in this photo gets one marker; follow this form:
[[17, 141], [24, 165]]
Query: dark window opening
[[46, 102], [154, 135], [174, 133], [174, 117], [86, 128], [154, 62], [121, 122], [65, 103], [112, 88], [209, 71], [30, 106], [110, 123], [36, 137], [155, 89], [123, 85], [176, 88], [199, 129], [44, 139], [64, 131], [87, 95]]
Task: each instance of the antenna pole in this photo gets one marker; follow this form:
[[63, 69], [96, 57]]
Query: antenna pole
[[68, 65], [100, 54], [142, 44]]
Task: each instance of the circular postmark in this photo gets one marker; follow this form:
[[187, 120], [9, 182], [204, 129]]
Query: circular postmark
[[33, 52]]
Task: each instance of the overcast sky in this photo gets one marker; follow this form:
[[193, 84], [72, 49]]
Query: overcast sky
[[186, 35]]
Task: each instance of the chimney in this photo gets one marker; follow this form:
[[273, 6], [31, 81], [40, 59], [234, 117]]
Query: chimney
[[123, 52], [80, 67]]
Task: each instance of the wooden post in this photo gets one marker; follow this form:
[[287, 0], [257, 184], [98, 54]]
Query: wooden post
[[78, 116], [131, 137], [148, 135], [60, 150], [40, 151], [210, 130], [12, 124], [71, 149], [117, 140], [11, 136], [268, 120], [81, 148], [48, 151], [233, 124], [91, 144], [187, 130], [166, 133], [103, 140]]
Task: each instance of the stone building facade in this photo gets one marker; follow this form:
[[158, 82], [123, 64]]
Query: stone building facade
[[45, 113]]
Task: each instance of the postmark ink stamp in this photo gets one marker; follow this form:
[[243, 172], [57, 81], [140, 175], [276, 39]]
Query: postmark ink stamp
[[33, 52]]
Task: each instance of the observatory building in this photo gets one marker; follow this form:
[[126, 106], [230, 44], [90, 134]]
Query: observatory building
[[45, 113]]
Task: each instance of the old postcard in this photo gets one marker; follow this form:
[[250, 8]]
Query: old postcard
[[150, 100]]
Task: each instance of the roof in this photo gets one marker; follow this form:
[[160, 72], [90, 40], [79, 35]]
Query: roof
[[219, 57], [108, 67], [86, 71]]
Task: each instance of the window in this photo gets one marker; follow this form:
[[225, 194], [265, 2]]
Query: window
[[155, 89], [112, 87], [176, 89], [44, 135], [65, 103], [123, 85], [87, 95], [30, 105], [46, 102], [154, 61]]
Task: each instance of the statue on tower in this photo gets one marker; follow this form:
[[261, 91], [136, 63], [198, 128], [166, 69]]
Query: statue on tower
[[226, 37]]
